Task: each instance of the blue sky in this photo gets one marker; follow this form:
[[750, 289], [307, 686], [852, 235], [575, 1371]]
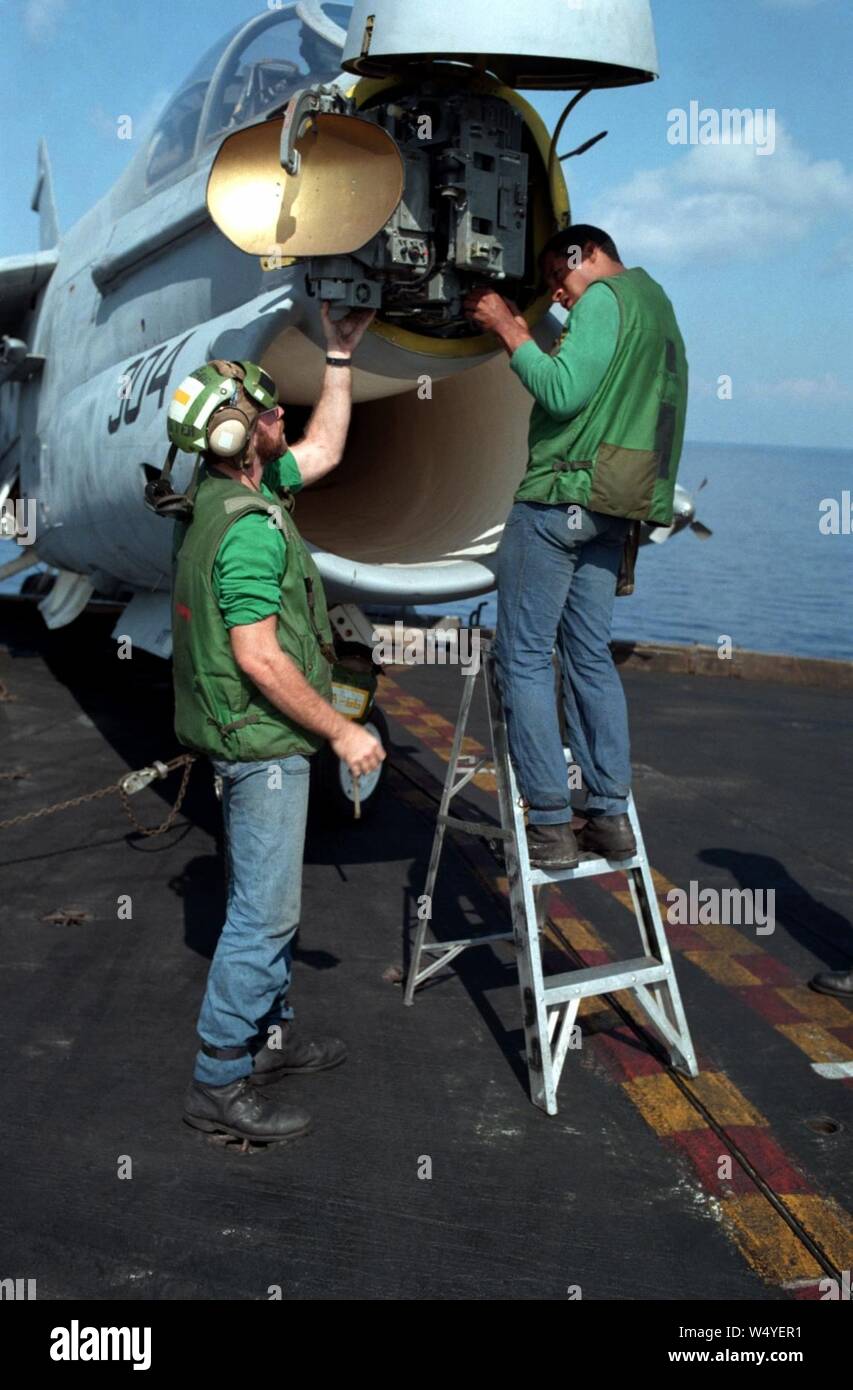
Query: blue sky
[[756, 252]]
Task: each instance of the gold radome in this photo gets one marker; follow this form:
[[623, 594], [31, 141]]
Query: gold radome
[[350, 180]]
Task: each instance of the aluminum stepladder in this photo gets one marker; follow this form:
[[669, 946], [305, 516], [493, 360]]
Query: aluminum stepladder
[[549, 1006]]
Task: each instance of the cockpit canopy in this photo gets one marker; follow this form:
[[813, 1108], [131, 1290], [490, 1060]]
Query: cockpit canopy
[[244, 77]]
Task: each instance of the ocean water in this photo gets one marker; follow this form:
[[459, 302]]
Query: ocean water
[[767, 578]]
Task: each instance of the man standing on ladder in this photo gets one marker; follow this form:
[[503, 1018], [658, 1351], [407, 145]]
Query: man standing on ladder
[[605, 439], [252, 672]]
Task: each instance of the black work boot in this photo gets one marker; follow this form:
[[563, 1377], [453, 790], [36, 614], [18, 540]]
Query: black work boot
[[295, 1054], [552, 846], [239, 1109], [611, 837], [837, 982]]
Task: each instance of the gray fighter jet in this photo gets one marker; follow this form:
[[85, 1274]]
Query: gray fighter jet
[[379, 155]]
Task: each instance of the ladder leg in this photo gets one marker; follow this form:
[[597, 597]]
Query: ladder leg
[[661, 1001], [540, 1070], [438, 838], [563, 1036]]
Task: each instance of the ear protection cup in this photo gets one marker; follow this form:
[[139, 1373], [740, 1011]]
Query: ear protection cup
[[228, 433]]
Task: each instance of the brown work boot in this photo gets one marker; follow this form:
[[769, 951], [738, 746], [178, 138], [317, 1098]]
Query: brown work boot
[[243, 1112], [611, 837], [552, 846], [287, 1053]]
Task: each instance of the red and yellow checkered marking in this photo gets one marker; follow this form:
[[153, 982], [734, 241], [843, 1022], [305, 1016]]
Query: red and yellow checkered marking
[[761, 1234], [815, 1023], [434, 731], [824, 1033]]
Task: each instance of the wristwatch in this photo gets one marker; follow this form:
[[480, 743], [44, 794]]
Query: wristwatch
[[338, 361]]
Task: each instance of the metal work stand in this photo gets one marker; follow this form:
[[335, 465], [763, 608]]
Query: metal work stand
[[549, 1005]]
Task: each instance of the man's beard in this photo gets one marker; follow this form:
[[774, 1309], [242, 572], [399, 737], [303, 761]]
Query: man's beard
[[267, 450]]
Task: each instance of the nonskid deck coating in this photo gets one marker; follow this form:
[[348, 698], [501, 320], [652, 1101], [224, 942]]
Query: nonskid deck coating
[[619, 1194]]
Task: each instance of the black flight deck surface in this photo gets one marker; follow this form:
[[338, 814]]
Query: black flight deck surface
[[428, 1174]]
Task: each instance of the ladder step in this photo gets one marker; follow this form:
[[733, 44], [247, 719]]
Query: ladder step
[[462, 942], [589, 867], [604, 979], [475, 827]]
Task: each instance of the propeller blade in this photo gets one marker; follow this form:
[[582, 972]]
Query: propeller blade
[[702, 531], [350, 181]]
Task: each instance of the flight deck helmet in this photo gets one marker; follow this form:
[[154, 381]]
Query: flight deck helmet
[[213, 411], [215, 408]]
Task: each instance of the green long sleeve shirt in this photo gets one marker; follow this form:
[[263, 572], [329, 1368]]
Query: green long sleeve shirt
[[563, 381], [249, 565]]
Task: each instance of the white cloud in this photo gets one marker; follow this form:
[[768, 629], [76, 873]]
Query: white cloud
[[42, 17], [719, 200], [828, 389]]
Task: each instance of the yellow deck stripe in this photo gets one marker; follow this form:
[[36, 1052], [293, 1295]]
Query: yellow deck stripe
[[725, 941], [763, 1238]]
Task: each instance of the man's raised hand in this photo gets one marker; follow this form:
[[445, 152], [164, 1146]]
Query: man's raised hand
[[344, 335]]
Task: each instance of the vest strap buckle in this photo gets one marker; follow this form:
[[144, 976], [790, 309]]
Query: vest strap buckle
[[235, 723]]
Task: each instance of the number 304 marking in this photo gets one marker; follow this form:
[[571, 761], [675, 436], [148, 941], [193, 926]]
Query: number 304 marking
[[151, 375]]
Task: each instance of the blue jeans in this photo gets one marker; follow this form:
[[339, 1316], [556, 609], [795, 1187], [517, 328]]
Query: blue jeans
[[264, 807], [556, 586]]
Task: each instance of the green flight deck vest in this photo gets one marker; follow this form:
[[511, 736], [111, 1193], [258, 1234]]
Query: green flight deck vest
[[218, 709], [620, 453]]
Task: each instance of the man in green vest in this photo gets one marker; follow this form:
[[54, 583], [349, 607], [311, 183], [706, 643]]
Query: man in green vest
[[252, 654], [605, 439]]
